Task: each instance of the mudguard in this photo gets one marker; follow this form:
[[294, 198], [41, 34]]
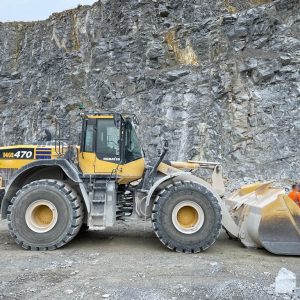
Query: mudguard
[[23, 173]]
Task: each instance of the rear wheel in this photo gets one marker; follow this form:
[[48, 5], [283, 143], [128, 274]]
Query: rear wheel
[[45, 215], [186, 217]]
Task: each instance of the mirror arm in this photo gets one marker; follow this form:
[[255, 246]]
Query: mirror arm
[[162, 156]]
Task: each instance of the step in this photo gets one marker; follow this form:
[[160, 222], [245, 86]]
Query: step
[[96, 227], [97, 215], [99, 188], [100, 184], [98, 201]]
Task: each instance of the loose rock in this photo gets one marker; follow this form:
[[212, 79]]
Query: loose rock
[[285, 282]]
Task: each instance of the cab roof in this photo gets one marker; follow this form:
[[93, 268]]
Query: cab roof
[[111, 115]]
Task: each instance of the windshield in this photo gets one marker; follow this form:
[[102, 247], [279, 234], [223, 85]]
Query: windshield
[[133, 150]]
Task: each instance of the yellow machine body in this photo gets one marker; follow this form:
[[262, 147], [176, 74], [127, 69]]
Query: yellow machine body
[[90, 164], [15, 157]]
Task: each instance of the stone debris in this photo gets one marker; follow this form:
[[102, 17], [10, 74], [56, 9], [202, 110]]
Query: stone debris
[[69, 292], [105, 295], [189, 278], [285, 282]]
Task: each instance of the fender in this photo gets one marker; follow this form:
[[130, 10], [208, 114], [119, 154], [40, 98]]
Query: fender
[[158, 183], [20, 177]]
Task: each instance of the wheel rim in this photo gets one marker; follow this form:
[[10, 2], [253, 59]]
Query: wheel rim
[[188, 217], [41, 216]]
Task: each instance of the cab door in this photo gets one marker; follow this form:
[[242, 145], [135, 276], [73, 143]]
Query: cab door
[[108, 146], [87, 157], [100, 149], [132, 155]]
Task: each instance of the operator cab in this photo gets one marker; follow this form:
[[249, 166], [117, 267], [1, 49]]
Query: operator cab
[[110, 146]]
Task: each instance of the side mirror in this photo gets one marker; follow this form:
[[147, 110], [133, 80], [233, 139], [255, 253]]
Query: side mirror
[[166, 145], [162, 156], [117, 120], [48, 135]]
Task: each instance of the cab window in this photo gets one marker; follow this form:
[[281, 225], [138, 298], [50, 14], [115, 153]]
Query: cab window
[[133, 150], [89, 139], [108, 140], [89, 136]]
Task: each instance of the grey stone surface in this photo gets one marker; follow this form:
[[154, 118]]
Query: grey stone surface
[[218, 86]]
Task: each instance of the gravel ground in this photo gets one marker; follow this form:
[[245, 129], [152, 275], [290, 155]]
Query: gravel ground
[[128, 262]]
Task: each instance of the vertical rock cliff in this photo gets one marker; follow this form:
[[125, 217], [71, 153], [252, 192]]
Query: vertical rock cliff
[[219, 79]]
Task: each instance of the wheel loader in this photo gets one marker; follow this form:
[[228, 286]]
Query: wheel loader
[[51, 190]]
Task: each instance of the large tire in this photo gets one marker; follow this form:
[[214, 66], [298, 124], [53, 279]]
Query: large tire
[[186, 200], [45, 215]]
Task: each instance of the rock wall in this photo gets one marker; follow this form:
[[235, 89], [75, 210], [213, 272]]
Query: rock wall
[[218, 79]]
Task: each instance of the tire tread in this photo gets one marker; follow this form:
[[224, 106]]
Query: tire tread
[[166, 195]]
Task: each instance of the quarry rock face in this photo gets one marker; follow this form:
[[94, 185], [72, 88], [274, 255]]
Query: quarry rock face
[[219, 79]]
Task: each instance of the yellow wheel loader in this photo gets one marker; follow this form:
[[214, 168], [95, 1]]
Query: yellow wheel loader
[[50, 191]]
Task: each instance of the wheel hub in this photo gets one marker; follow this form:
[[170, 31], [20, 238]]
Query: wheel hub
[[41, 216], [188, 217]]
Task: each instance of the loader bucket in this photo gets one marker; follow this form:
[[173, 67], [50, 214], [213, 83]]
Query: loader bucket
[[279, 229], [266, 218]]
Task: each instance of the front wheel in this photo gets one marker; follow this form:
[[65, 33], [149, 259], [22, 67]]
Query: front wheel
[[186, 217], [45, 215]]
